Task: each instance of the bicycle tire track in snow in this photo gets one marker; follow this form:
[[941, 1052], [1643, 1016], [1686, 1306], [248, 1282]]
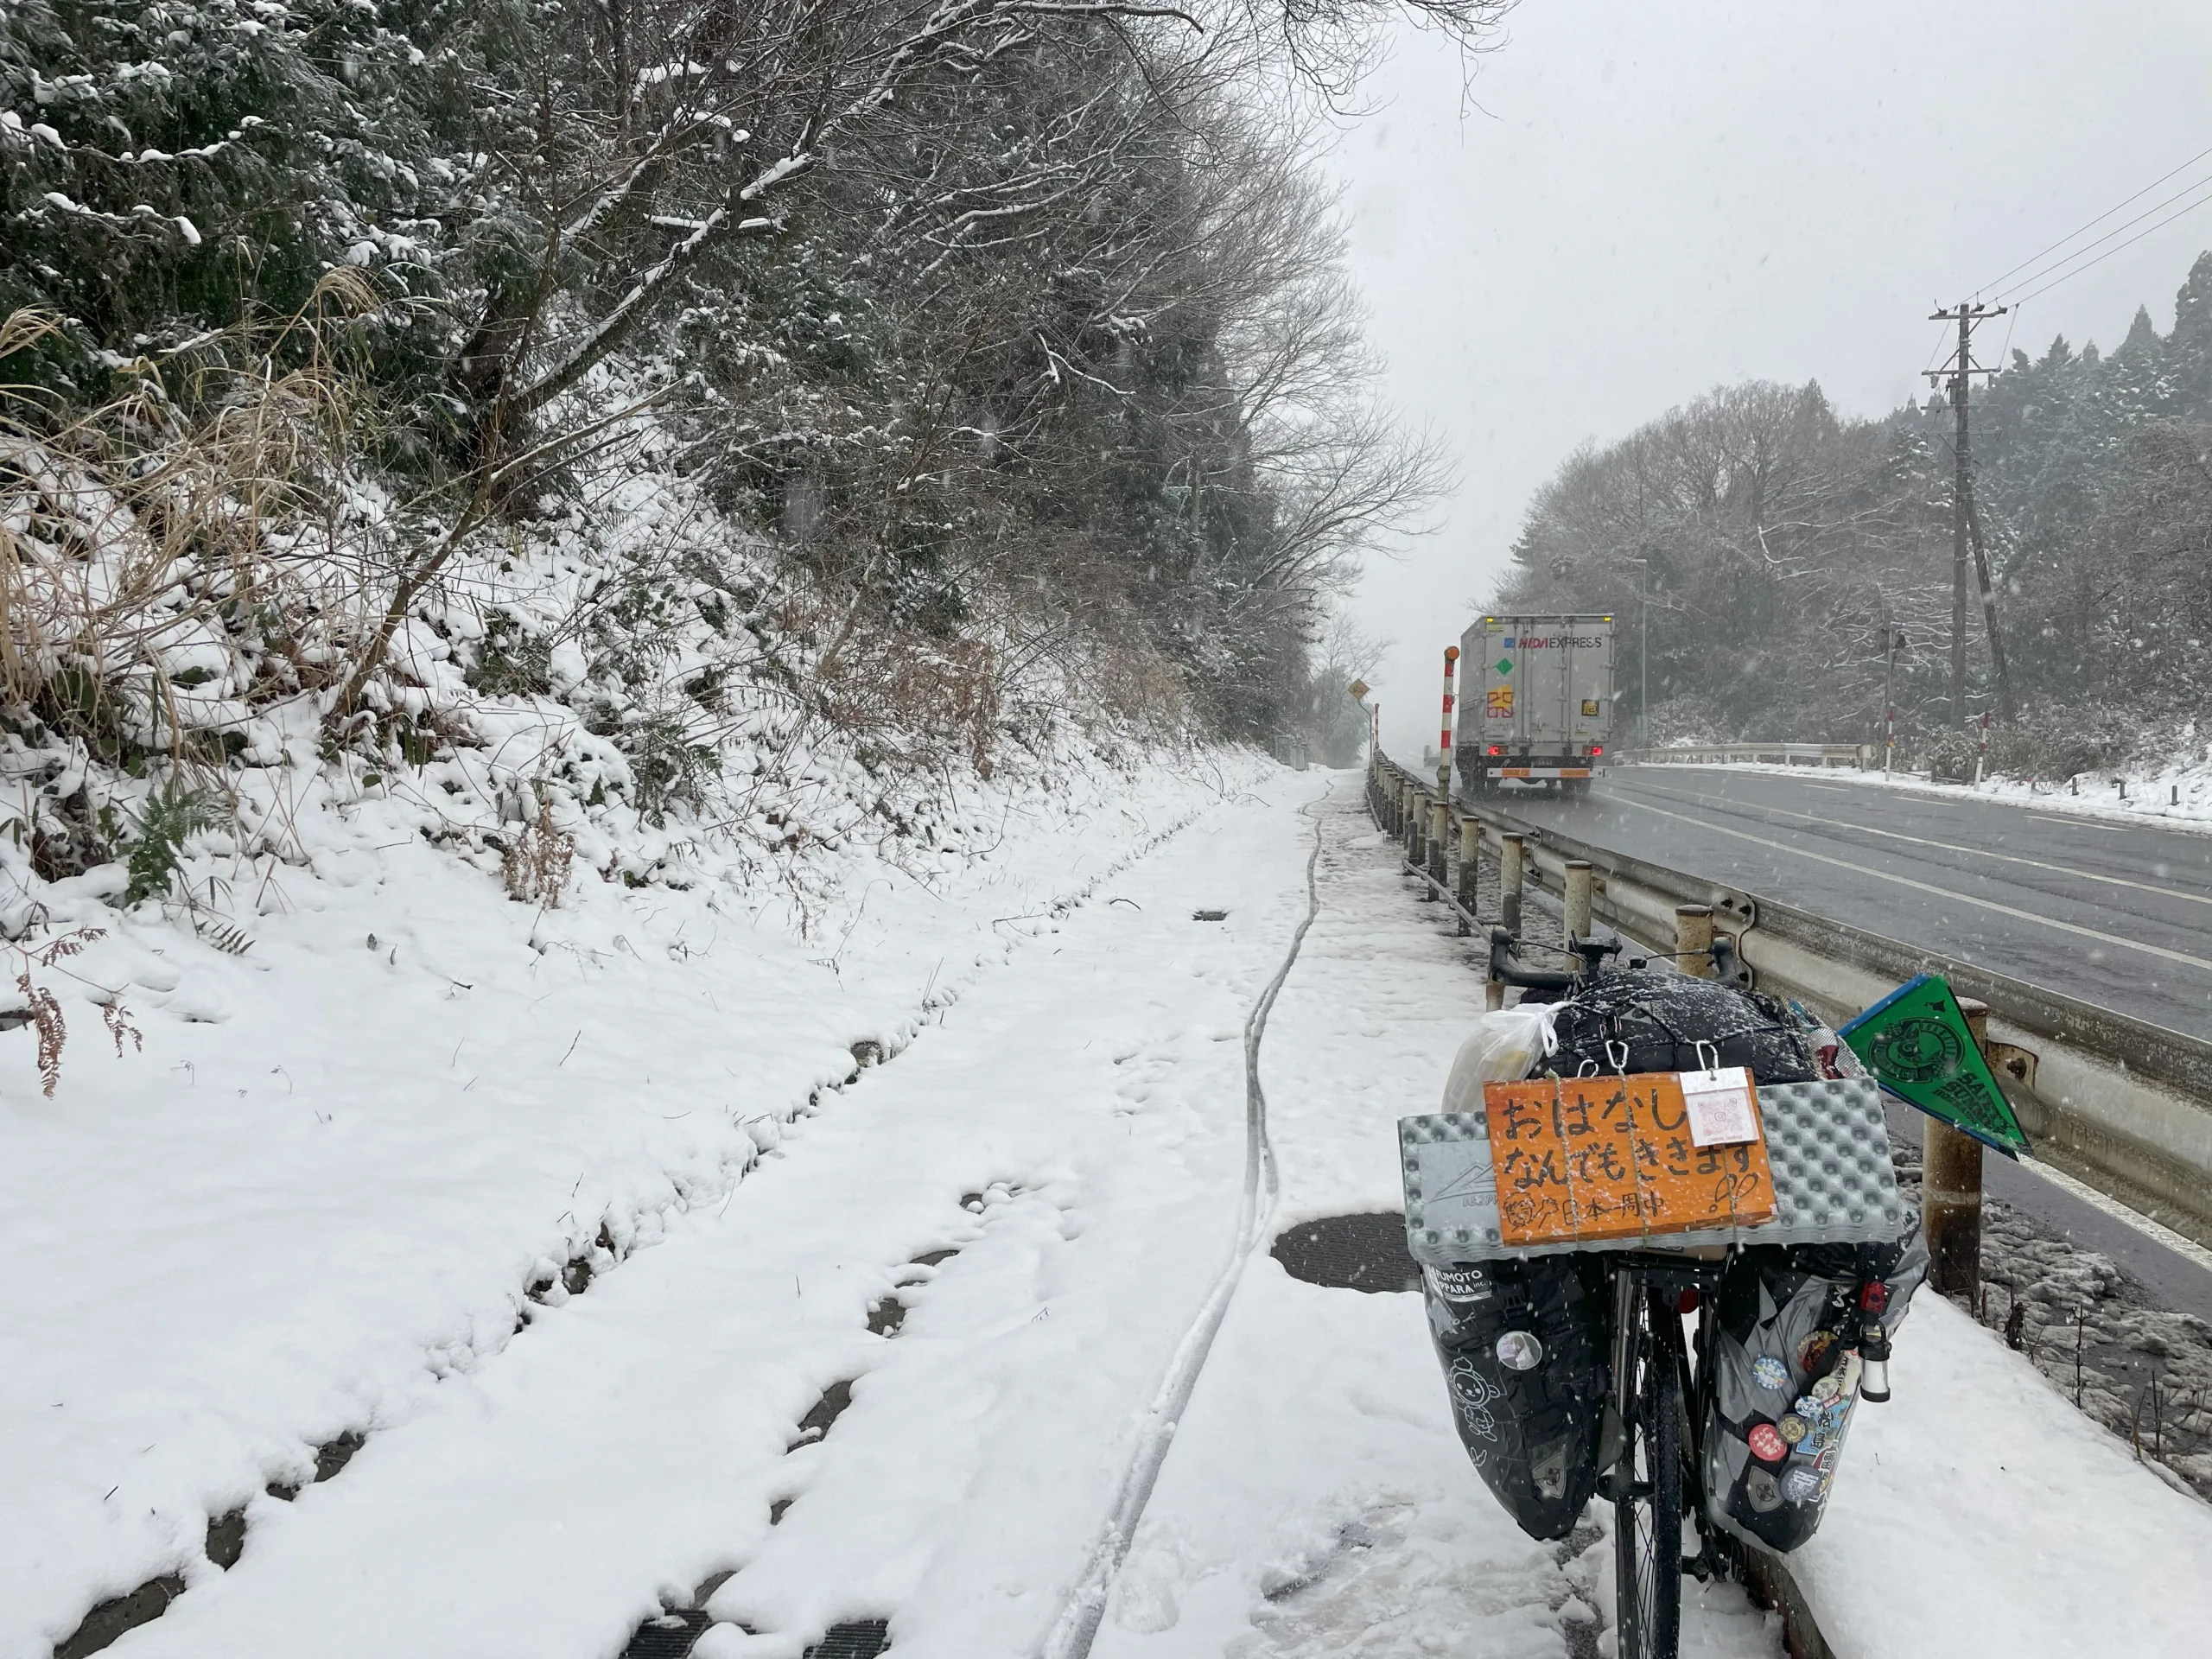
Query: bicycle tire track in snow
[[1072, 1636]]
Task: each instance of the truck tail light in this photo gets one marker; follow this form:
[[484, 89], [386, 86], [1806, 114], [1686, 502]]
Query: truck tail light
[[1597, 748], [1495, 749]]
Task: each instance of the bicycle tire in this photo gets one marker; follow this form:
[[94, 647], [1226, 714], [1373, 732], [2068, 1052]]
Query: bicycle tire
[[1647, 1513]]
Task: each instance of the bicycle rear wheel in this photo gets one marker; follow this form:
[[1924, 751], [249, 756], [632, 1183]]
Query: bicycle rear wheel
[[1647, 1503]]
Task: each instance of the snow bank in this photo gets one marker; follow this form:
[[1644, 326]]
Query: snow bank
[[1980, 1513]]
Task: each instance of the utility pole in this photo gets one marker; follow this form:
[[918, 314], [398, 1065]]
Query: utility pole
[[1959, 374]]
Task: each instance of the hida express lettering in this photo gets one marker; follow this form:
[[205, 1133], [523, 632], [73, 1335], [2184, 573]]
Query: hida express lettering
[[1558, 641]]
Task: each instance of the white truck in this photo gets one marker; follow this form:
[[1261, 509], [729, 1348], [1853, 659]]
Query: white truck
[[1537, 700]]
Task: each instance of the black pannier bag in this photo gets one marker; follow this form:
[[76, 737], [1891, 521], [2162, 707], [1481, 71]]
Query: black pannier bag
[[1522, 1344], [1784, 1336]]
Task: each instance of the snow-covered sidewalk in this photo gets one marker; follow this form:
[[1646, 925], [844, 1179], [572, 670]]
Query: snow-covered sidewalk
[[1318, 1504], [343, 1156], [899, 1372]]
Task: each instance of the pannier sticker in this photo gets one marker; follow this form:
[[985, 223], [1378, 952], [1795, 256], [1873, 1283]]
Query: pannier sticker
[[1800, 1485], [1759, 1487], [1464, 1284], [1792, 1428], [1770, 1373], [1519, 1350]]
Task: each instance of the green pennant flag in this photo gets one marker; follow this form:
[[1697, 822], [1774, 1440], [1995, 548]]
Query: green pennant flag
[[1916, 1042]]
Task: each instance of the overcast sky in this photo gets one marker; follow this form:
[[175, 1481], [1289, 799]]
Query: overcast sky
[[1639, 202]]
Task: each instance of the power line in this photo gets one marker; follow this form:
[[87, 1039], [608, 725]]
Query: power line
[[2099, 219], [2045, 270], [2109, 252]]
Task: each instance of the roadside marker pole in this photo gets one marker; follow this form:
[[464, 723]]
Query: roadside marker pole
[[1444, 741], [1981, 754]]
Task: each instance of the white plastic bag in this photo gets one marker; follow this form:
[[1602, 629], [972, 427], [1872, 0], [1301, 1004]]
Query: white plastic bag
[[1505, 1046]]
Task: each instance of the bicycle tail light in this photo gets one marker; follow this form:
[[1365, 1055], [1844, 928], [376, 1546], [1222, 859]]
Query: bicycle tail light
[[1873, 1343]]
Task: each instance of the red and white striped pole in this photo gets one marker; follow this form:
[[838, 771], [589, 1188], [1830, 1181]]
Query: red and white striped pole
[[1444, 742]]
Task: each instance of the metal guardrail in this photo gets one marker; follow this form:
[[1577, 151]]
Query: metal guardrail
[[2120, 1102], [1864, 756]]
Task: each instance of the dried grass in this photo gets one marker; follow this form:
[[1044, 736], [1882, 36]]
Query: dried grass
[[535, 865], [204, 504]]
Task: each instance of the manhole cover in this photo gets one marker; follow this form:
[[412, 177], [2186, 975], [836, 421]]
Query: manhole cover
[[1364, 1252]]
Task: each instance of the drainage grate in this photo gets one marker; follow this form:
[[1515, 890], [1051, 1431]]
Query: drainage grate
[[1366, 1252], [862, 1639], [669, 1637]]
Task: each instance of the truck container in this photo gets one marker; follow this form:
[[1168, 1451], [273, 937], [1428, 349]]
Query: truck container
[[1537, 700]]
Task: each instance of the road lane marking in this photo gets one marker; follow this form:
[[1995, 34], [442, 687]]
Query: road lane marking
[[1832, 789], [2182, 956], [2085, 823], [1953, 846]]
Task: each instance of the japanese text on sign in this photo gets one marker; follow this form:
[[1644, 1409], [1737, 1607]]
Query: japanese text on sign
[[1581, 1159]]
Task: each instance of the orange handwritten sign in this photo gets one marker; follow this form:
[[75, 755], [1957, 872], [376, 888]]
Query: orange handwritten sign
[[1583, 1158]]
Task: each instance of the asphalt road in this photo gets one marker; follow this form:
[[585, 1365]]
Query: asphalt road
[[2115, 914]]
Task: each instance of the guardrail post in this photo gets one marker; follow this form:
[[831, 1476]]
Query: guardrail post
[[1512, 866], [1694, 939], [1471, 854], [1440, 834], [1415, 799], [1950, 1188], [1575, 890]]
